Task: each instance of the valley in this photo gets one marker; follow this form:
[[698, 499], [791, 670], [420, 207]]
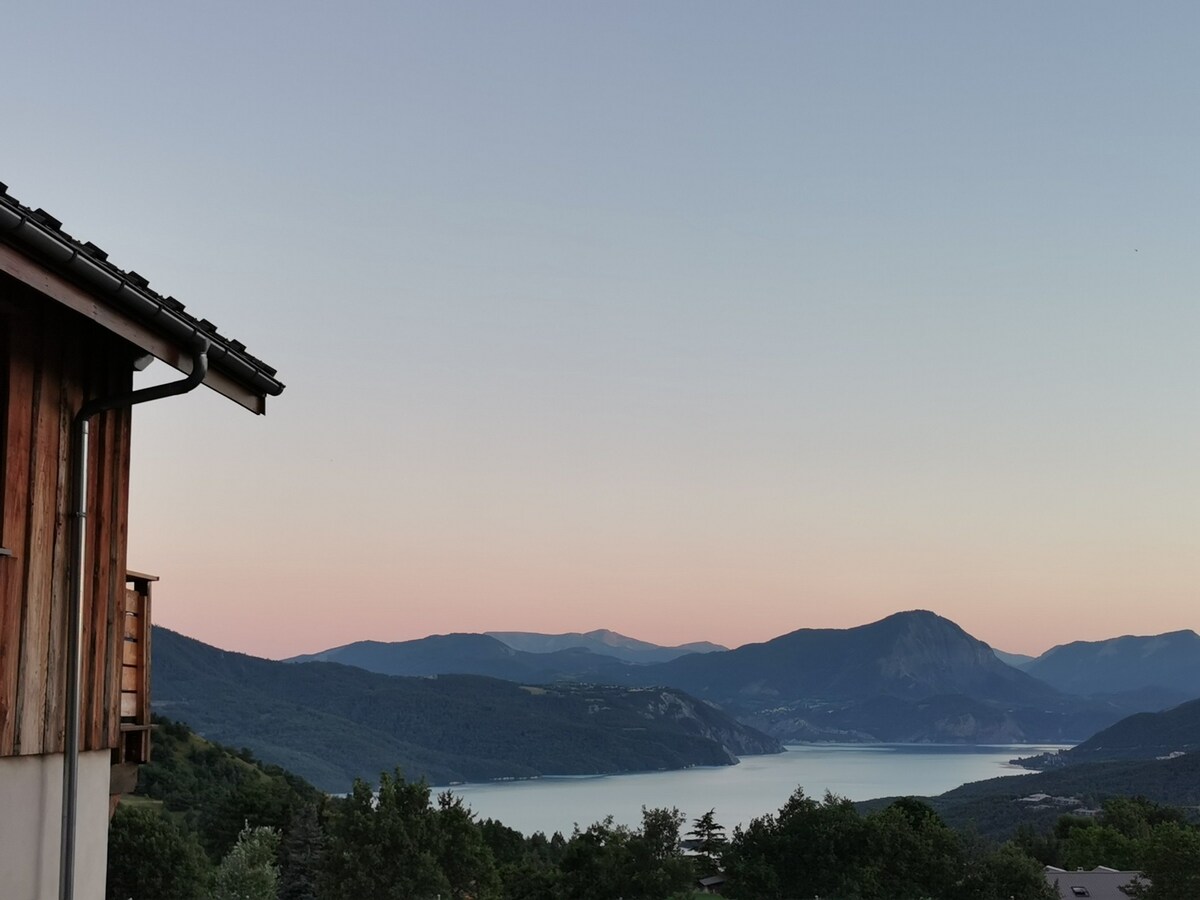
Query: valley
[[470, 707]]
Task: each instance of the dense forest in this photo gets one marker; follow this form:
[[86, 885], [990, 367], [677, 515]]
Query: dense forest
[[332, 723], [212, 822]]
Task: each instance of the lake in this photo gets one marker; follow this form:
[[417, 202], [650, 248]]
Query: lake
[[758, 785]]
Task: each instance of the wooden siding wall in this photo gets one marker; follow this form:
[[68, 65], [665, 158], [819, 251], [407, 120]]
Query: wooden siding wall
[[56, 360]]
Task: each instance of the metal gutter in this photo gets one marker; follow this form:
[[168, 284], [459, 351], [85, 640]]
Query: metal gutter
[[79, 443], [37, 231]]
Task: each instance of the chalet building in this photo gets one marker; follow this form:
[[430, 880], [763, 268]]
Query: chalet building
[[74, 621]]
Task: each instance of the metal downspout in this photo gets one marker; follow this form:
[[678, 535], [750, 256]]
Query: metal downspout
[[79, 440]]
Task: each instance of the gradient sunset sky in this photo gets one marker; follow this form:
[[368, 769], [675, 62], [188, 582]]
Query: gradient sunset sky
[[696, 321]]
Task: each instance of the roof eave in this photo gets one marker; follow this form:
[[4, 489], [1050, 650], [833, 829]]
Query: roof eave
[[79, 276]]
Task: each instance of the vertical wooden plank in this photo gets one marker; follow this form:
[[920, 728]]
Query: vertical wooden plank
[[117, 565], [93, 388], [72, 395], [80, 362], [147, 660], [16, 505], [39, 564], [96, 706], [114, 376], [70, 400]]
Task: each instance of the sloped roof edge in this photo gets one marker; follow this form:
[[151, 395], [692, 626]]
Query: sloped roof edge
[[40, 234]]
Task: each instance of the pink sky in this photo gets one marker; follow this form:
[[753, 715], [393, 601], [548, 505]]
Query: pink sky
[[692, 321]]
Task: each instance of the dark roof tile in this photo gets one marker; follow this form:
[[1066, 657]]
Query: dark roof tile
[[95, 252], [100, 258], [46, 219]]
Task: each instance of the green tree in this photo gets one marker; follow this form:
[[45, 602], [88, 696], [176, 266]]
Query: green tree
[[809, 849], [249, 870], [658, 868], [1005, 873], [1134, 817], [750, 860], [300, 855], [150, 857], [1042, 846], [530, 880], [526, 867], [1101, 845], [383, 846], [912, 853], [596, 862], [607, 860], [464, 857], [1171, 864], [710, 839]]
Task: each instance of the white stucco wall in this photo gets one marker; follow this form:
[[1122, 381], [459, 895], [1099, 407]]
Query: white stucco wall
[[30, 819]]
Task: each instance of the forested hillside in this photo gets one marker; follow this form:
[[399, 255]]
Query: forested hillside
[[1168, 661], [997, 807], [474, 654], [214, 824], [333, 723], [912, 676]]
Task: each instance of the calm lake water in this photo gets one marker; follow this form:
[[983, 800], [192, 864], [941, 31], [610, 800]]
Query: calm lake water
[[758, 785]]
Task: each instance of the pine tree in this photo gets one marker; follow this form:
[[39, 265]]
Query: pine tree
[[710, 839], [300, 855]]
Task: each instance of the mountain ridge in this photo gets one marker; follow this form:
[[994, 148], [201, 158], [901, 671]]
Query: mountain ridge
[[911, 654], [331, 723], [1130, 662], [471, 653], [601, 640], [912, 676]]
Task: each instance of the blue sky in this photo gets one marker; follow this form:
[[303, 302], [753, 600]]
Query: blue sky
[[695, 321]]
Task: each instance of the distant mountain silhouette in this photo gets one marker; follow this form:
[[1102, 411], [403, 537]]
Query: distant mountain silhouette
[[1016, 660], [1167, 661], [474, 654], [603, 641], [910, 655], [913, 676], [332, 723]]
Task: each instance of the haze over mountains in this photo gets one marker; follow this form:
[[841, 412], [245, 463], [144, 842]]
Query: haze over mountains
[[913, 676], [332, 723], [473, 654], [910, 677], [1169, 661], [601, 641]]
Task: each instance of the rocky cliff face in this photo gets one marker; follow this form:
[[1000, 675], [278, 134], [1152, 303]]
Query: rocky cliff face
[[699, 718]]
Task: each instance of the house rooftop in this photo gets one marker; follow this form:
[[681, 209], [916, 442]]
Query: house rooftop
[[78, 274], [1101, 883]]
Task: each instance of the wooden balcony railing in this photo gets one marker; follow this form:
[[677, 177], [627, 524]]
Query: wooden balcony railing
[[135, 672]]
